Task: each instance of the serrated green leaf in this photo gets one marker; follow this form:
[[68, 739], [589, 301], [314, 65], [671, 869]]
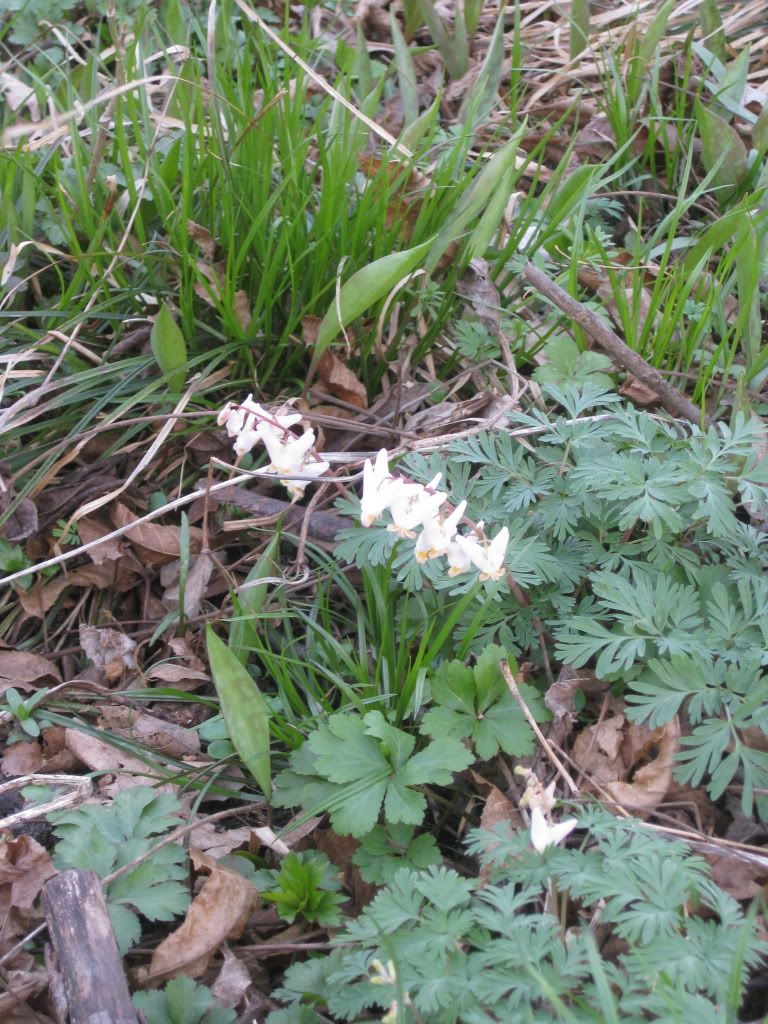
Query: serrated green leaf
[[169, 348], [126, 926], [245, 710]]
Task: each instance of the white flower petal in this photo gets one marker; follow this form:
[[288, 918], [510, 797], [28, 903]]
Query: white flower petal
[[543, 834]]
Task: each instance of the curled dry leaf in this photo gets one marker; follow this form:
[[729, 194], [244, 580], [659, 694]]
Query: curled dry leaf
[[24, 758], [25, 866], [41, 597], [20, 987], [596, 750], [233, 981], [178, 676], [220, 911], [108, 650], [655, 750], [218, 844], [19, 667], [204, 239], [99, 756], [164, 737], [155, 543], [638, 393], [340, 381], [194, 588], [92, 528]]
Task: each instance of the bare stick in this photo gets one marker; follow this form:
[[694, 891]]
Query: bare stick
[[88, 958], [511, 682], [601, 333]]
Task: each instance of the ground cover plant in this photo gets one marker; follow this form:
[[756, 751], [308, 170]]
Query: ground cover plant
[[383, 506]]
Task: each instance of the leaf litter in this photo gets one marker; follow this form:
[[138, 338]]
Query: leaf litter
[[71, 618]]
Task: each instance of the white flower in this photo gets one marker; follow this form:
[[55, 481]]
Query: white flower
[[296, 488], [434, 540], [415, 505], [543, 834], [290, 454], [489, 557], [380, 489], [247, 438]]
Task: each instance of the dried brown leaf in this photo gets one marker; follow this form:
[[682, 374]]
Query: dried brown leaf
[[650, 782], [637, 392], [108, 650], [25, 867], [340, 381], [24, 758], [164, 737], [41, 597], [179, 676], [91, 528], [596, 750], [155, 543], [233, 981], [18, 667], [203, 237], [195, 586], [219, 912], [241, 307]]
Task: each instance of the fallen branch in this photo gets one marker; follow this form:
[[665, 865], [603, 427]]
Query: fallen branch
[[602, 334]]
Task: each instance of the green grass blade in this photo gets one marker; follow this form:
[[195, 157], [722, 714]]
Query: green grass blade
[[579, 27], [483, 93]]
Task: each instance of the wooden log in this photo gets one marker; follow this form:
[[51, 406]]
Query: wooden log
[[88, 959]]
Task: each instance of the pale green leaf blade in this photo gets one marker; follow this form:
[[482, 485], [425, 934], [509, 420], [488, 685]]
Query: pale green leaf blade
[[245, 710], [406, 72], [723, 152], [169, 348], [579, 23], [365, 288]]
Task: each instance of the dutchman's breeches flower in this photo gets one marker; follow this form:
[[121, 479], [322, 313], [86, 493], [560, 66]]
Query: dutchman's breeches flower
[[251, 424]]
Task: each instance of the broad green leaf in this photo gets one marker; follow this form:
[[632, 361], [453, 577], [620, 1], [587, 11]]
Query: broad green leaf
[[579, 24], [723, 152], [362, 63], [475, 199], [483, 94], [760, 131], [245, 710], [453, 49], [748, 266], [730, 88], [250, 601], [406, 72], [712, 28], [364, 289], [169, 348], [413, 133]]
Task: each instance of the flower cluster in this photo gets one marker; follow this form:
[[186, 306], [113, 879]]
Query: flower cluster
[[251, 424], [412, 506]]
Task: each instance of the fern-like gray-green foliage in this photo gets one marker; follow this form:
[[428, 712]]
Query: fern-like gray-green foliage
[[630, 535], [469, 951], [102, 838]]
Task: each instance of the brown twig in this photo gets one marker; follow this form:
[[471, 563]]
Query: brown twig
[[601, 333], [511, 682]]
